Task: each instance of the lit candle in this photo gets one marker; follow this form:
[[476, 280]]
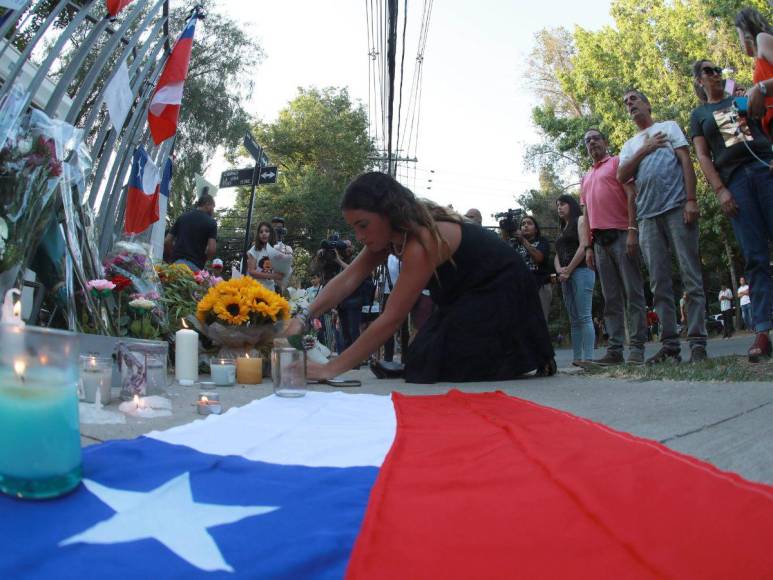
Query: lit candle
[[186, 356], [11, 313], [209, 404], [223, 371], [96, 378], [40, 451], [249, 370]]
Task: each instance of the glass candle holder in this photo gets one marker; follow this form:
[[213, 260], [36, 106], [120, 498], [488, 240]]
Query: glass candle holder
[[223, 371], [143, 368], [288, 371], [40, 449], [96, 378], [209, 403]]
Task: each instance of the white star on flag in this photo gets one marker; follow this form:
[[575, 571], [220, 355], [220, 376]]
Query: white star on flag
[[169, 515]]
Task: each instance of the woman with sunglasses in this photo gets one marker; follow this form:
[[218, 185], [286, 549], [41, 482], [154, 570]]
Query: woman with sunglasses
[[756, 38], [734, 154]]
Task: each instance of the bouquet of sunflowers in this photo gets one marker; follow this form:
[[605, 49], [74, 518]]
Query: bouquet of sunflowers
[[241, 313]]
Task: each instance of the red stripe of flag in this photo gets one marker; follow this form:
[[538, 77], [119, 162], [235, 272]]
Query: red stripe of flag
[[115, 6], [489, 486]]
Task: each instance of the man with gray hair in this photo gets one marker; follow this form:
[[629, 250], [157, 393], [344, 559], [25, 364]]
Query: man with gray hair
[[666, 211]]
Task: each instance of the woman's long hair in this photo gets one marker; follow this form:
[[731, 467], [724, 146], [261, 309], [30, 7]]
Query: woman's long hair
[[751, 22], [271, 239], [697, 71], [569, 227], [382, 194]]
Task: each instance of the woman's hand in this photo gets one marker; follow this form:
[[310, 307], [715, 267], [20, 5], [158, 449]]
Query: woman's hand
[[294, 326], [564, 275], [727, 202], [318, 372]]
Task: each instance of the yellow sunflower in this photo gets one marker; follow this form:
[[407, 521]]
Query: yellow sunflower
[[232, 310]]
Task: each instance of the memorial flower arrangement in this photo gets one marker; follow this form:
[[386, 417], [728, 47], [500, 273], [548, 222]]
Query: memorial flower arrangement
[[30, 172], [241, 314], [182, 291]]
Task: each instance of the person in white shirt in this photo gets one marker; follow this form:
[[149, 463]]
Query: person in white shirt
[[726, 307], [745, 300], [259, 262]]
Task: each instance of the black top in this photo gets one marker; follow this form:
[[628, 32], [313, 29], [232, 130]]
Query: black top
[[541, 271], [728, 135], [567, 244], [191, 232], [487, 323]]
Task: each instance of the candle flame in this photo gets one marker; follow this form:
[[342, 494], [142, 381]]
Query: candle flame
[[184, 324], [19, 366], [139, 402], [204, 399], [17, 310]]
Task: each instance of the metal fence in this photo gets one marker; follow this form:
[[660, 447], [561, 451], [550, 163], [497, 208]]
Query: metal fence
[[65, 54]]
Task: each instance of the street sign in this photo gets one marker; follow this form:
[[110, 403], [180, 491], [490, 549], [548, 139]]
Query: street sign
[[267, 175], [255, 150], [242, 177]]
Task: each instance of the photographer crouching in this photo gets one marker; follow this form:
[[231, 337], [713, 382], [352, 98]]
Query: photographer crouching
[[523, 233], [333, 257]]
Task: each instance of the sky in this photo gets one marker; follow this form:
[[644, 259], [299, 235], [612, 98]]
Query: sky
[[476, 106]]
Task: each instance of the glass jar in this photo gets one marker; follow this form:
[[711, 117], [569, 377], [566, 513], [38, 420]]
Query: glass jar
[[288, 371]]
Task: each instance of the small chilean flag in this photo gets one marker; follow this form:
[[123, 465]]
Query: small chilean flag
[[142, 197], [115, 6], [165, 103]]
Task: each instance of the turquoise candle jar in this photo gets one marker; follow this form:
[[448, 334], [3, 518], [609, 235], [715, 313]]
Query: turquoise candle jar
[[40, 451]]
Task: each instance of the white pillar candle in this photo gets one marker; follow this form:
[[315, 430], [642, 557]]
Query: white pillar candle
[[186, 356]]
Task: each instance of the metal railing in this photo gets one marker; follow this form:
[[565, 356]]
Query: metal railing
[[65, 63]]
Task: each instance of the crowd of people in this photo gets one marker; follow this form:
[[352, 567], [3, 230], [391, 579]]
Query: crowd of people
[[483, 303]]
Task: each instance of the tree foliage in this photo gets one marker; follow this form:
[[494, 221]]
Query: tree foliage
[[320, 142]]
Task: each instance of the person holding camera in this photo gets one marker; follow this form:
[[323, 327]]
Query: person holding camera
[[663, 211], [534, 250], [333, 257], [259, 264], [735, 154], [756, 38], [488, 324]]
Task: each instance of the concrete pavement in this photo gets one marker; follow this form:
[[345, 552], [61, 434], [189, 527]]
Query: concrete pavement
[[727, 424]]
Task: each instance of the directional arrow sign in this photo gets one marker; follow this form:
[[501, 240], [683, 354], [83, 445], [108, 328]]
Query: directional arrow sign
[[267, 175], [242, 177]]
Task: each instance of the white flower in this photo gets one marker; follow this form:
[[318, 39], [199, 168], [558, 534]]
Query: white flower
[[24, 145], [142, 304]]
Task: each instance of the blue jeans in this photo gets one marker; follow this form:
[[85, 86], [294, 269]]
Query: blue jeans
[[752, 188], [746, 313], [578, 299]]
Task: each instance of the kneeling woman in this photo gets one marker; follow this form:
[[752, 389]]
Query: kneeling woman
[[488, 324]]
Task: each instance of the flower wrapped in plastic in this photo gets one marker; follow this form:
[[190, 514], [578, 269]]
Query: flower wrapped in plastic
[[31, 154], [241, 314], [137, 296]]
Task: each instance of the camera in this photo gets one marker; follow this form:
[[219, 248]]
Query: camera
[[510, 220], [333, 243]]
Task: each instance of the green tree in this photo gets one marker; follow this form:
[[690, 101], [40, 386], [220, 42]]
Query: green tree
[[320, 142]]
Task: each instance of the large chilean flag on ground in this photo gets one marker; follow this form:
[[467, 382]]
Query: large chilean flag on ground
[[363, 486], [164, 108]]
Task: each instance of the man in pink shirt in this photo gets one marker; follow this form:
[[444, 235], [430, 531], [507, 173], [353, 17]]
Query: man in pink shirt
[[605, 205]]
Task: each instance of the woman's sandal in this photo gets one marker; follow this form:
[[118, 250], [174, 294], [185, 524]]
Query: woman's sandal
[[760, 347], [548, 370]]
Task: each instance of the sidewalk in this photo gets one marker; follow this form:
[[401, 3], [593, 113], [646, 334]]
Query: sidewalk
[[727, 424]]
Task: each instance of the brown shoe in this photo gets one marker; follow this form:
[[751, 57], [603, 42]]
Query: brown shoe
[[609, 359], [760, 348]]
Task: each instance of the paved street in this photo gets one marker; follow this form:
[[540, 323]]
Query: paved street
[[727, 424]]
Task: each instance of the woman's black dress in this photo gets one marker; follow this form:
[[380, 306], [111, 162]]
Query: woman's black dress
[[488, 323]]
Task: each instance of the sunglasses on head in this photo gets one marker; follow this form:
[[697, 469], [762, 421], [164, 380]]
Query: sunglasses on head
[[712, 70]]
